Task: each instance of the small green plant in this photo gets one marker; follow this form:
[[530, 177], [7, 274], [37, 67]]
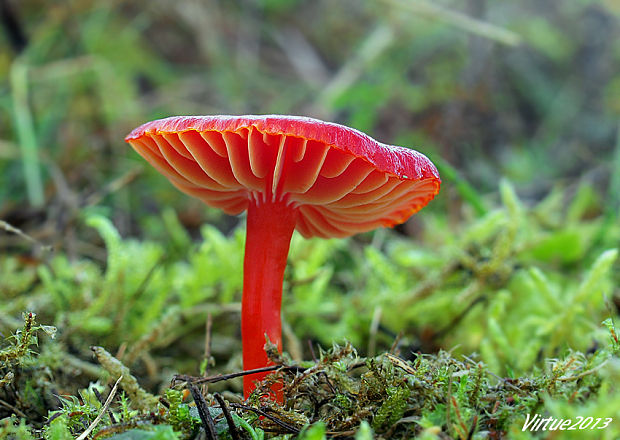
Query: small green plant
[[24, 384], [179, 415]]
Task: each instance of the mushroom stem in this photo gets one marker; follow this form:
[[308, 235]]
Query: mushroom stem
[[269, 229]]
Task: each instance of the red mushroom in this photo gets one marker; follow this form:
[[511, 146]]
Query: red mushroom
[[323, 179]]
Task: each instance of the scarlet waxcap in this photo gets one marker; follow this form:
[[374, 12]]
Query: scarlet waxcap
[[342, 181]]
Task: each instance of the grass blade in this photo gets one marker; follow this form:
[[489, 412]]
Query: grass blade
[[25, 133]]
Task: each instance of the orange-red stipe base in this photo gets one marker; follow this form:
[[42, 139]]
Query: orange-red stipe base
[[269, 229]]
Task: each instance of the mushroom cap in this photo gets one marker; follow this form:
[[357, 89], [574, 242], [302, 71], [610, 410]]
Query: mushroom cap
[[342, 181]]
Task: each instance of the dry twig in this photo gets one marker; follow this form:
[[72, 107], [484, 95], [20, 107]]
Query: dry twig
[[104, 409]]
